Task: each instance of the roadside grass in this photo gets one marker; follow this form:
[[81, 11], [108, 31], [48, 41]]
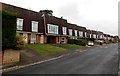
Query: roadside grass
[[72, 46], [46, 49]]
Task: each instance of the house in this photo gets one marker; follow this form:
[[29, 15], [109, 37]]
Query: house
[[56, 29], [40, 28], [29, 24]]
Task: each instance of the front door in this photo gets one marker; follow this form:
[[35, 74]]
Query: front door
[[25, 37], [33, 38], [41, 39]]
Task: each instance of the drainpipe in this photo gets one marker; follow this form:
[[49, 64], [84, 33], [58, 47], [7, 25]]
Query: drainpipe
[[44, 22]]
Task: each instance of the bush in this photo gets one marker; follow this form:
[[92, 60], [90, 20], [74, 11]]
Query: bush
[[71, 41], [20, 42], [8, 30], [82, 42]]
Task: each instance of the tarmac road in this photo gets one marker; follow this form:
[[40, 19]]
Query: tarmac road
[[95, 60]]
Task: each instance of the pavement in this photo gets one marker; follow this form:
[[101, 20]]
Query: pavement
[[95, 60]]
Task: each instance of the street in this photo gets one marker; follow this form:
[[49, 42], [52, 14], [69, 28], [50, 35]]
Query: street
[[94, 60]]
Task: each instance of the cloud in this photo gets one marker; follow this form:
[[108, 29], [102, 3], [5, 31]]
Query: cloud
[[71, 12]]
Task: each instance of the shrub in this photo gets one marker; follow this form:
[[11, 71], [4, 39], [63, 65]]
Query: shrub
[[82, 42], [20, 42], [8, 30], [71, 41]]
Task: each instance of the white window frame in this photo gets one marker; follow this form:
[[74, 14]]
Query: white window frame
[[75, 32], [90, 35], [94, 35], [70, 32], [85, 34], [52, 28], [19, 24], [101, 36], [34, 26], [64, 29], [81, 33]]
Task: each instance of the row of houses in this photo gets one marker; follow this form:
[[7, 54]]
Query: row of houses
[[39, 28]]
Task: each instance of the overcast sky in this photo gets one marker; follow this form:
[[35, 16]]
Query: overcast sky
[[93, 14]]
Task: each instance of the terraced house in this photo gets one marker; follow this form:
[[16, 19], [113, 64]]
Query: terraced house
[[29, 24], [40, 28]]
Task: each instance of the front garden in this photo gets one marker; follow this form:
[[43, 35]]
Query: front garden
[[46, 49]]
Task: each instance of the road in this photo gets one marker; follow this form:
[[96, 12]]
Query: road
[[95, 60]]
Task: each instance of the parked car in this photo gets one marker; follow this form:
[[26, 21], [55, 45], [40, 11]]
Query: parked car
[[90, 43], [114, 41]]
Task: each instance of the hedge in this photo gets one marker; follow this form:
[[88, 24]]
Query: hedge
[[8, 30], [82, 42]]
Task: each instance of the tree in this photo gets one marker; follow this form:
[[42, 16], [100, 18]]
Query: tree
[[47, 12]]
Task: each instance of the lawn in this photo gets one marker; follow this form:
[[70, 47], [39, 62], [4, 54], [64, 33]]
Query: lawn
[[72, 46], [46, 49]]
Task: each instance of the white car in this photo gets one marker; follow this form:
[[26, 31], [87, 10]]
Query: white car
[[90, 43]]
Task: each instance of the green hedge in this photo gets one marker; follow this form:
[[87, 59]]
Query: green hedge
[[8, 30], [82, 42]]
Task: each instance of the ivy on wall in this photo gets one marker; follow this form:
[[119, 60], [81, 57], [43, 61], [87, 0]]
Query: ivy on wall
[[8, 30]]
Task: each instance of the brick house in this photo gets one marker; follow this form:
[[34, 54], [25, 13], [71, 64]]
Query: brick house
[[39, 28], [29, 23]]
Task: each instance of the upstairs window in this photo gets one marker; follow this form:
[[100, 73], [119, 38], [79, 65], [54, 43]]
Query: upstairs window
[[80, 33], [90, 35], [75, 32], [34, 26], [101, 36], [52, 28], [85, 34], [70, 32], [64, 29], [105, 37], [19, 24], [94, 36]]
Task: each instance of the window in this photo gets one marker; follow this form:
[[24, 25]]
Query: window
[[85, 34], [64, 30], [109, 38], [80, 33], [94, 36], [105, 37], [75, 32], [101, 36], [19, 24], [33, 38], [70, 32], [34, 26], [90, 35], [52, 29]]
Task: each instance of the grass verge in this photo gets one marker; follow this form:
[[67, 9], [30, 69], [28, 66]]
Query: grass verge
[[46, 49], [72, 46]]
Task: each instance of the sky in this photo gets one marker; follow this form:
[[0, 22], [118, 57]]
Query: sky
[[100, 15]]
